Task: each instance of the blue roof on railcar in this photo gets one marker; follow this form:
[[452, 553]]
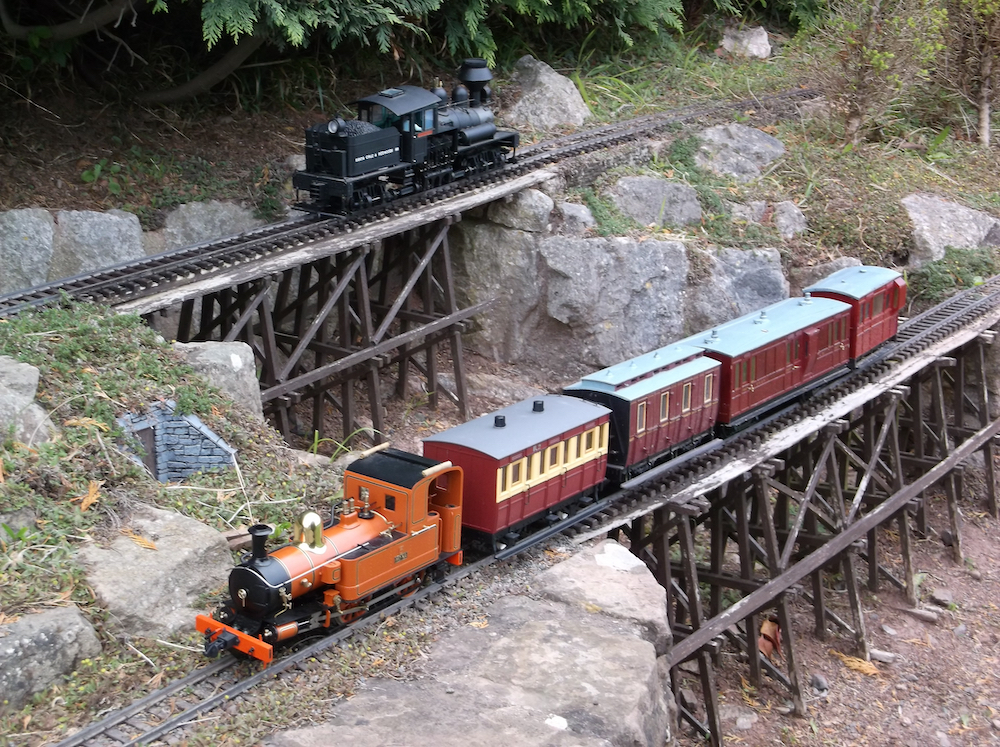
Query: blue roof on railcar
[[855, 282], [644, 388], [610, 378], [402, 99], [524, 426], [747, 333]]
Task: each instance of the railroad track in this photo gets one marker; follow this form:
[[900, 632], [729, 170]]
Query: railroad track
[[186, 700], [141, 278]]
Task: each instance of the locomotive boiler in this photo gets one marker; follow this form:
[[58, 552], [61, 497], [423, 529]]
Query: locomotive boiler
[[405, 140]]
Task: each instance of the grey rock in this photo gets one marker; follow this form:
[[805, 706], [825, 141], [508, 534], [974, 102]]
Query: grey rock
[[938, 224], [747, 42], [26, 238], [85, 241], [652, 201], [18, 387], [643, 312], [541, 673], [752, 212], [296, 162], [737, 151], [738, 282], [818, 682], [928, 616], [23, 519], [231, 367], [943, 597], [151, 592], [37, 650], [976, 574], [490, 386], [789, 219], [961, 630], [889, 631], [548, 99], [942, 739], [610, 579], [886, 657], [746, 722], [196, 222], [576, 218], [529, 210]]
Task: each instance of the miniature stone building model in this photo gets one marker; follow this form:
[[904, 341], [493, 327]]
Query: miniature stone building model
[[174, 446]]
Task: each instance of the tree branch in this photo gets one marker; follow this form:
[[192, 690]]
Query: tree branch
[[207, 78], [86, 23]]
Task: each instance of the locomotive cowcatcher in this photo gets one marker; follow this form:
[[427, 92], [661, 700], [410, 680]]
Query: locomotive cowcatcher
[[405, 140], [400, 515]]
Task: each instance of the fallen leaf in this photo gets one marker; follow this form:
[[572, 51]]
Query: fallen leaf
[[480, 624], [155, 680], [87, 422], [139, 539], [858, 665], [93, 494]]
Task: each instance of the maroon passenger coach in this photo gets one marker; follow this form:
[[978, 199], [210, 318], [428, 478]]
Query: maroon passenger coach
[[525, 459]]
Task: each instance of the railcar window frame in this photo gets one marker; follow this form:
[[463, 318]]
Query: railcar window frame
[[686, 398], [640, 418], [664, 406], [709, 387]]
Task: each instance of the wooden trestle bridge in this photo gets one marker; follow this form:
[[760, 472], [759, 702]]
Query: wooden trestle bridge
[[329, 318]]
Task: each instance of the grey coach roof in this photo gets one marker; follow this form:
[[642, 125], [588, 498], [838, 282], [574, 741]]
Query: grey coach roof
[[747, 333], [410, 98], [855, 282], [525, 428]]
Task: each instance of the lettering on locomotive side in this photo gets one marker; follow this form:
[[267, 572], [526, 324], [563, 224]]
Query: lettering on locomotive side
[[401, 557], [378, 154]]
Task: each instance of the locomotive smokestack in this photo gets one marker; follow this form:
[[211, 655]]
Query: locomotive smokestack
[[499, 421], [260, 533], [475, 76]]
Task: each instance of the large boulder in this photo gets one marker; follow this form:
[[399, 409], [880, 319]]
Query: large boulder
[[25, 248], [230, 366], [653, 201], [18, 387], [529, 210], [737, 151], [617, 297], [150, 586], [37, 650], [196, 222], [789, 219], [803, 277], [86, 241], [746, 42], [548, 99], [938, 224], [733, 283], [581, 666]]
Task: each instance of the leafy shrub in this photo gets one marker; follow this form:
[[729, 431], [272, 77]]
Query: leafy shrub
[[958, 270]]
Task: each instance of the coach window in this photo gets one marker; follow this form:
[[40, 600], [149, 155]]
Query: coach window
[[552, 455], [640, 418], [753, 369], [879, 301], [664, 406], [516, 473], [589, 441], [390, 502], [686, 398], [502, 477], [709, 386]]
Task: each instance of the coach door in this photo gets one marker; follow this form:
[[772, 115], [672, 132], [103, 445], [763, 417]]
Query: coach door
[[811, 353]]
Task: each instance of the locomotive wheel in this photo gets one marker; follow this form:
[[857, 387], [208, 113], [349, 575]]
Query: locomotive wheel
[[415, 581], [351, 614]]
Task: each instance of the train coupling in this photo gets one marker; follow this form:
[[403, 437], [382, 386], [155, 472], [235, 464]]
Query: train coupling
[[219, 637], [222, 642]]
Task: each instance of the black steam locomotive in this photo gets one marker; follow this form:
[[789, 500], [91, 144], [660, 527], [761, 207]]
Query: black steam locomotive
[[405, 140]]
